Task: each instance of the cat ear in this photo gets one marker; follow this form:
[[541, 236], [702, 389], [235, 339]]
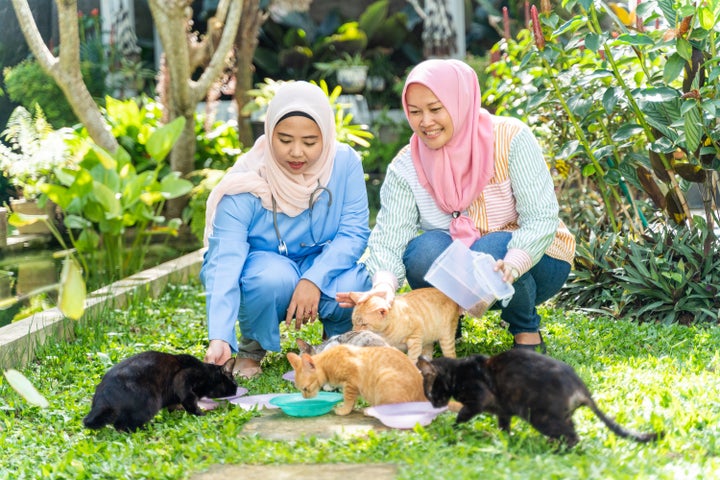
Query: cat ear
[[294, 360], [304, 346], [308, 361], [425, 367]]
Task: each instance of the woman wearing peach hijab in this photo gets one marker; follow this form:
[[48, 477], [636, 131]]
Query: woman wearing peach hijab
[[475, 177], [284, 230]]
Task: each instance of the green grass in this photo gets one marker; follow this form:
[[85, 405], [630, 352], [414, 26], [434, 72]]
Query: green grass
[[647, 376]]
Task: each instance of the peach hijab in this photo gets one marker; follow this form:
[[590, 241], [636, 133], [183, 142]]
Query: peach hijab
[[257, 171], [456, 173]]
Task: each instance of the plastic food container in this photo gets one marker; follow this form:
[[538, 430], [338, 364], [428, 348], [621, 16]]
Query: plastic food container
[[468, 277], [295, 405], [405, 415]]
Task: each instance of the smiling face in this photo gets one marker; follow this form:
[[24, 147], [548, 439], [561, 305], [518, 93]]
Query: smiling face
[[297, 144], [428, 117]]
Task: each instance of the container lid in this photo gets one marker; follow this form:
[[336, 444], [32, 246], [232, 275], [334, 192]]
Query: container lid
[[485, 272]]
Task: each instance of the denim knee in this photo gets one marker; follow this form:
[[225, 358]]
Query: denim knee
[[421, 252]]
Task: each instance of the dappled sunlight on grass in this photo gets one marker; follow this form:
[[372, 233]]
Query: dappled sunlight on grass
[[648, 377]]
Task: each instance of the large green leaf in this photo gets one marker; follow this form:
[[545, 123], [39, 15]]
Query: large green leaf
[[693, 129], [673, 67], [107, 198], [25, 388], [162, 140], [373, 16], [172, 186], [71, 298]]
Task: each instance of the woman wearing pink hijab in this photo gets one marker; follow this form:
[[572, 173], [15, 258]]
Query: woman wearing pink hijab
[[285, 228], [476, 177]]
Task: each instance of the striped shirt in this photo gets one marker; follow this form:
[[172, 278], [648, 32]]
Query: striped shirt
[[520, 198]]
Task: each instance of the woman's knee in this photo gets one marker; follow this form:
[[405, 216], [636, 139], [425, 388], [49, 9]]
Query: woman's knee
[[421, 252], [270, 272]]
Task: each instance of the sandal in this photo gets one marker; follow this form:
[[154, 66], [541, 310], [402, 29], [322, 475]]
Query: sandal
[[246, 368], [537, 347]]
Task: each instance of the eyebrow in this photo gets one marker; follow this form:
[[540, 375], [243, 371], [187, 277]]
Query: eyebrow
[[306, 137], [431, 104]]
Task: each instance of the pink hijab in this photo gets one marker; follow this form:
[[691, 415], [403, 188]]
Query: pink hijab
[[456, 173], [258, 173]]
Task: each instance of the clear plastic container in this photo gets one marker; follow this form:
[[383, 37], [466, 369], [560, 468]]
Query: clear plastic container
[[468, 278]]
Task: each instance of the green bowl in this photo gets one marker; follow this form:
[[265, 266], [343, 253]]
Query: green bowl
[[295, 405]]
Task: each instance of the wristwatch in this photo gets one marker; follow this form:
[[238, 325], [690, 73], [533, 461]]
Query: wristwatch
[[515, 273]]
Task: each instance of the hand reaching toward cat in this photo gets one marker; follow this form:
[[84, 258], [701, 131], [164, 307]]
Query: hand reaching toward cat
[[303, 304], [350, 299], [218, 352]]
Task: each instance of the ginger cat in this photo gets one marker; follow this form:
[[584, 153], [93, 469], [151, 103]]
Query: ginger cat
[[415, 321], [379, 375]]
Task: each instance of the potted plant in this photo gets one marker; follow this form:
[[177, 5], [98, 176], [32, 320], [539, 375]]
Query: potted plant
[[34, 149], [350, 71]]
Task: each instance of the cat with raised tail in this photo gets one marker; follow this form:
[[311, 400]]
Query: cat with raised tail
[[414, 322], [539, 389], [379, 375], [132, 392]]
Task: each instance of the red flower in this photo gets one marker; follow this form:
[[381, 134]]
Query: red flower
[[506, 23], [94, 12], [537, 30]]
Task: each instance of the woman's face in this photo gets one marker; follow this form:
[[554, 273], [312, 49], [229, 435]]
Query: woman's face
[[297, 144], [428, 117]]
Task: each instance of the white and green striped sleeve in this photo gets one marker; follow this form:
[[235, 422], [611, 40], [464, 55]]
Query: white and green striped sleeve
[[398, 222], [535, 198]]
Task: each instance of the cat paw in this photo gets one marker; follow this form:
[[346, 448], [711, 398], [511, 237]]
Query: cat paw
[[343, 410]]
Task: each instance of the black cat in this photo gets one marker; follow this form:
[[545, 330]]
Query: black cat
[[132, 392], [543, 391]]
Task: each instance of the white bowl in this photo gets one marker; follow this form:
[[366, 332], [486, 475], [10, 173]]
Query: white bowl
[[405, 415], [255, 401]]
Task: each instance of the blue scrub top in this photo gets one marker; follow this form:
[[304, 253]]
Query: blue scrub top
[[340, 232]]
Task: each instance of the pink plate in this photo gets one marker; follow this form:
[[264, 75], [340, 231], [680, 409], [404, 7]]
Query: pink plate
[[209, 404], [289, 376], [405, 415], [255, 401]]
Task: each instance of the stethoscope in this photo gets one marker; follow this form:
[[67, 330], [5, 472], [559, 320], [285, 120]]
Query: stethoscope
[[314, 196]]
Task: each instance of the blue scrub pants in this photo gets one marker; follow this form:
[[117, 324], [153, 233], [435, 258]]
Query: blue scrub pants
[[267, 283]]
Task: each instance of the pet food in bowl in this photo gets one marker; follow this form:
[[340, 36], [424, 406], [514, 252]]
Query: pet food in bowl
[[405, 415], [295, 405]]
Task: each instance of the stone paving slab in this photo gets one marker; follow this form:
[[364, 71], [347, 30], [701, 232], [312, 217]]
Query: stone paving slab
[[273, 424], [324, 471]]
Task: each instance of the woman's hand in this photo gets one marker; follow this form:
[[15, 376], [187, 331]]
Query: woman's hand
[[350, 299], [303, 304], [509, 272], [218, 352]]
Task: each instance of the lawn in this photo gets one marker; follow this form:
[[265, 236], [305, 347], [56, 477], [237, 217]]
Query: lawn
[[647, 376]]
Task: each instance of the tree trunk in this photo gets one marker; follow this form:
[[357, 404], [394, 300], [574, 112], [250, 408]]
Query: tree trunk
[[246, 42], [171, 22], [65, 69]]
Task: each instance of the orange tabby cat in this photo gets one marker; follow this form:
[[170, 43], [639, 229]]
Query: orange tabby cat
[[415, 321], [380, 375]]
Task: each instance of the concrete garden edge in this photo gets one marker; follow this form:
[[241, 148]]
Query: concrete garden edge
[[20, 340]]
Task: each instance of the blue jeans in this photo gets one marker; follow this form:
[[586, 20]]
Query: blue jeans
[[533, 288]]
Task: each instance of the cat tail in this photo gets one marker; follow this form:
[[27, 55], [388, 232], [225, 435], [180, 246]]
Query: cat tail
[[99, 417], [619, 429]]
